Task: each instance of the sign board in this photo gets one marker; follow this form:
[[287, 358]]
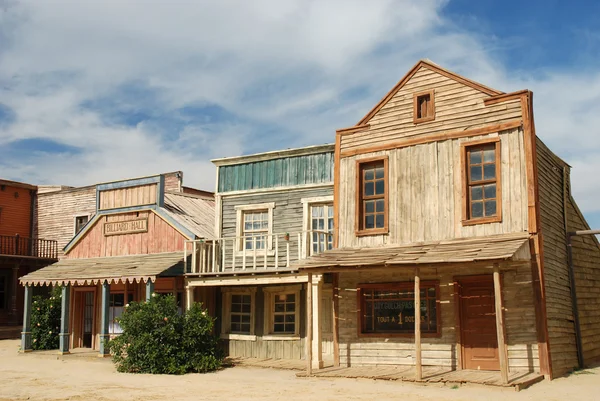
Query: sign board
[[126, 227]]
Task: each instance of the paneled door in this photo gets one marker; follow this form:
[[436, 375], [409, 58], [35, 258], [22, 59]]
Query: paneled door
[[478, 323]]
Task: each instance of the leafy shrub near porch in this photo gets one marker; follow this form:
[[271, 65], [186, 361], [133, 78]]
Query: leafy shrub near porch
[[157, 339], [45, 320]]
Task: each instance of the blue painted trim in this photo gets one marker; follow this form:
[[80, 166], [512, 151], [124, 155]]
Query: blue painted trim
[[129, 183], [160, 195]]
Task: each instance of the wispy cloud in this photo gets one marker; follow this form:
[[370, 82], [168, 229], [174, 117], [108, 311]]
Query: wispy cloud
[[139, 88]]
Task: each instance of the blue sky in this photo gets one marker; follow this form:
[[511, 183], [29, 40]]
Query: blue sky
[[99, 90]]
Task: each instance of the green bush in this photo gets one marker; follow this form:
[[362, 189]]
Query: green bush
[[45, 320], [157, 339]]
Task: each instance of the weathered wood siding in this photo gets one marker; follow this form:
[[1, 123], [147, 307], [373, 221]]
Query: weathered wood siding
[[125, 197], [561, 330], [287, 217], [160, 237], [57, 211], [425, 193], [444, 350], [586, 262], [15, 211], [457, 106], [282, 172]]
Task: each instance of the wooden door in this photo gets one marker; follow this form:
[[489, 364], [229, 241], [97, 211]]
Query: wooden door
[[478, 324], [84, 318]]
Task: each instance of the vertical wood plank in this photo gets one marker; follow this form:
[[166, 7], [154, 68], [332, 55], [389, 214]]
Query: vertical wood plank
[[418, 365], [500, 325], [309, 325]]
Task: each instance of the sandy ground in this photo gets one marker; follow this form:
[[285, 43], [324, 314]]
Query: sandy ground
[[44, 377]]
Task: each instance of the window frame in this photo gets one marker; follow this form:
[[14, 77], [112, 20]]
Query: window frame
[[403, 285], [270, 294], [239, 227], [467, 220], [359, 213], [75, 217], [111, 313], [227, 294], [307, 205], [430, 108]]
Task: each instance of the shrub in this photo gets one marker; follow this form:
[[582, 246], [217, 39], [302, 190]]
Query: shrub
[[45, 320], [157, 339]]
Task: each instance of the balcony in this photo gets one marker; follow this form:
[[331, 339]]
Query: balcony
[[17, 246], [265, 253]]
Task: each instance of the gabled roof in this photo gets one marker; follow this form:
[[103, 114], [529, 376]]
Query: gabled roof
[[17, 184], [196, 213], [433, 67]]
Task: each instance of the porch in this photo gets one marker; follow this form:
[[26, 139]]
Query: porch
[[431, 374]]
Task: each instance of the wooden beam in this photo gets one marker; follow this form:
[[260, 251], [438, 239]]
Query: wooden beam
[[424, 139], [505, 97], [418, 363], [336, 313], [500, 325], [309, 325], [351, 130]]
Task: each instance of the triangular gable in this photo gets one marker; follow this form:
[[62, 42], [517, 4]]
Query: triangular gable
[[433, 67]]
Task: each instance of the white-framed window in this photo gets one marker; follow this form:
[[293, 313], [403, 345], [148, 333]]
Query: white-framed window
[[254, 227], [238, 312], [282, 310], [115, 310], [80, 222], [318, 224]]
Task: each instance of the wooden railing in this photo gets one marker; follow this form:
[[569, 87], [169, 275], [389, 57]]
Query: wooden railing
[[15, 245], [253, 253]]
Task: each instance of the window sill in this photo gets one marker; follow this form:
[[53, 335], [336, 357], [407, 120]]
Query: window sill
[[423, 120], [486, 220], [377, 231], [281, 337], [242, 337]]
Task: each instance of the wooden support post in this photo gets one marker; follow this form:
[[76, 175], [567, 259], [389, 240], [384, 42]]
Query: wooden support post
[[336, 313], [243, 253], [214, 257], [276, 252], [104, 336], [64, 320], [194, 257], [287, 253], [253, 253], [26, 333], [317, 344], [500, 325], [265, 254], [149, 289], [189, 297], [419, 367], [309, 324]]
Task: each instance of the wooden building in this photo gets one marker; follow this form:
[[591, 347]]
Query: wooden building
[[272, 209], [130, 248], [20, 250], [451, 212]]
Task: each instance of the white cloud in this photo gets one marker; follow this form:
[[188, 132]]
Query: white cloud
[[283, 66]]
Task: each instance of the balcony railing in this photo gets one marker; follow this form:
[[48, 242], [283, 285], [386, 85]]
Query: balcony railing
[[251, 254], [15, 245]]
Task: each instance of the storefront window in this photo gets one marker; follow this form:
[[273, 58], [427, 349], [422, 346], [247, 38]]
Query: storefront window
[[116, 307], [390, 308]]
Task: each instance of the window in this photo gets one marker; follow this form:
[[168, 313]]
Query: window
[[254, 226], [80, 222], [282, 316], [256, 229], [241, 313], [321, 221], [482, 190], [390, 308], [424, 107], [116, 307], [371, 216]]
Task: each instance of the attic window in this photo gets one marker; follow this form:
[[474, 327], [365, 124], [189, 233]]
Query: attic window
[[424, 107]]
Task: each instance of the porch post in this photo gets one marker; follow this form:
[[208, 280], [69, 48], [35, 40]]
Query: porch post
[[64, 319], [26, 333], [317, 346], [419, 367], [13, 295], [309, 325], [149, 289], [500, 324], [189, 297], [104, 336]]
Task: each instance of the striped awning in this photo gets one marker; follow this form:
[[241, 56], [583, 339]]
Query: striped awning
[[91, 271], [460, 250]]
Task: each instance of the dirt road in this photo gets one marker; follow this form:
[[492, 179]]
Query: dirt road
[[43, 377]]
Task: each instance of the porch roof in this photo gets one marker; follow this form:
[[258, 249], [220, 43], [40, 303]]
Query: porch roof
[[463, 250], [91, 271]]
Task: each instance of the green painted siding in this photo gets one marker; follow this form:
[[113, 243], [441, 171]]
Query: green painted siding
[[289, 171]]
